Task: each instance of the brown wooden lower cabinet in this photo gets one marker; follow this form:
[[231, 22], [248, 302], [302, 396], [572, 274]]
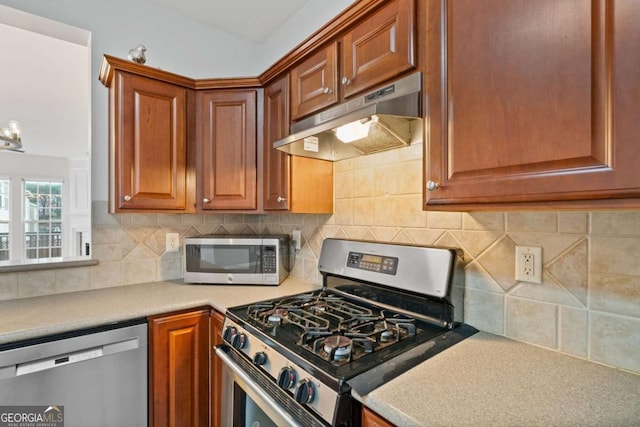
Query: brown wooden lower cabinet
[[179, 369], [215, 326], [371, 419]]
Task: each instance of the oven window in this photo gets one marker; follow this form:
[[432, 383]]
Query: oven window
[[223, 258], [248, 413]]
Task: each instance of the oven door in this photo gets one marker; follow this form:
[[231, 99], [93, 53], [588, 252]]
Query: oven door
[[250, 399]]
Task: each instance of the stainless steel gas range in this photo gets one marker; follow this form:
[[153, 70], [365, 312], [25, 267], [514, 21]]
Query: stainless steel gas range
[[299, 360]]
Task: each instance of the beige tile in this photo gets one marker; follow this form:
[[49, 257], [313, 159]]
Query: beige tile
[[573, 222], [139, 271], [169, 219], [424, 236], [73, 279], [444, 220], [343, 212], [363, 183], [101, 234], [615, 294], [614, 340], [363, 162], [343, 185], [107, 253], [623, 223], [384, 211], [552, 244], [138, 232], [311, 270], [36, 283], [489, 221], [573, 331], [385, 234], [547, 291], [364, 211], [105, 275], [140, 252], [570, 270], [343, 165], [144, 219], [474, 242], [213, 219], [403, 237], [170, 268], [407, 211], [539, 222], [499, 262], [8, 286], [477, 278], [354, 232], [484, 311], [531, 321], [157, 242], [615, 255]]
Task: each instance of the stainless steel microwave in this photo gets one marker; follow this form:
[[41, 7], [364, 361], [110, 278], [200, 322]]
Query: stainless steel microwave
[[237, 259]]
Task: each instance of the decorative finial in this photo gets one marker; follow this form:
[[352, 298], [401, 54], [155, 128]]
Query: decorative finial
[[137, 54]]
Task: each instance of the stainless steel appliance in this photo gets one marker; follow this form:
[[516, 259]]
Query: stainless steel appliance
[[96, 377], [237, 259], [385, 118], [299, 360]]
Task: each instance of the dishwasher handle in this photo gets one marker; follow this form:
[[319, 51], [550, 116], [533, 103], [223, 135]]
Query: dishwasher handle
[[65, 359]]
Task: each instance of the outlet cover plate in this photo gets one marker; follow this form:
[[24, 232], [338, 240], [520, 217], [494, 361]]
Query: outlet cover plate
[[173, 242], [529, 264]]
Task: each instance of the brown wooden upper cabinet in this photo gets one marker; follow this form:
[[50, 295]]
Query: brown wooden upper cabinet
[[148, 155], [532, 101], [315, 82], [227, 149], [295, 184], [377, 49]]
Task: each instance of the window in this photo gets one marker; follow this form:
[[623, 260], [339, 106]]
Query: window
[[5, 210], [33, 218], [43, 219]]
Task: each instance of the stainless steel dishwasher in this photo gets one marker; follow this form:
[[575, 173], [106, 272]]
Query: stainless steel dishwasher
[[96, 377]]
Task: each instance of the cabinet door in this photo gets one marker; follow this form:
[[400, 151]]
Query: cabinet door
[[314, 82], [216, 320], [371, 419], [379, 48], [179, 365], [228, 148], [148, 153], [276, 162], [532, 101]]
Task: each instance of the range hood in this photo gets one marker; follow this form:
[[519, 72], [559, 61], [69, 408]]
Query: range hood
[[383, 118]]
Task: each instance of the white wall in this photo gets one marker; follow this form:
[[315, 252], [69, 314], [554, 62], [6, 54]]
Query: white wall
[[174, 43]]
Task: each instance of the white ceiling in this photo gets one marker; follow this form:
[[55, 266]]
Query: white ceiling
[[253, 20]]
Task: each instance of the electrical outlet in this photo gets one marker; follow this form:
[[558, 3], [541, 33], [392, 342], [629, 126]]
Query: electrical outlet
[[173, 242], [297, 238], [529, 264]]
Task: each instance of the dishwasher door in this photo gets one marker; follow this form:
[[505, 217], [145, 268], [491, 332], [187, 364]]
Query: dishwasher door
[[97, 377]]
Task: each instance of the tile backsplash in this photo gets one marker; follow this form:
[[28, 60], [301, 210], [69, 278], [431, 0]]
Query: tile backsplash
[[588, 304]]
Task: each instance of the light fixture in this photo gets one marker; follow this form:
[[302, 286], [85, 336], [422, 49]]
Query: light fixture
[[10, 137], [355, 130]]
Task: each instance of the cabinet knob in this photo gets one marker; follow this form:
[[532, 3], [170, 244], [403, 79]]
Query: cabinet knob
[[346, 81], [280, 199], [326, 90], [126, 198], [432, 185], [205, 200]]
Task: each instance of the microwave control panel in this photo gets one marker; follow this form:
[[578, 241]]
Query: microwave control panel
[[269, 259], [377, 263]]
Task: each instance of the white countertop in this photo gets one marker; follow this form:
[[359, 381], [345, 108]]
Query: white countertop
[[39, 316], [485, 380]]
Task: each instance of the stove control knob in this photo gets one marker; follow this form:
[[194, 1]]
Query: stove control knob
[[260, 358], [306, 392], [287, 377], [229, 333], [239, 340]]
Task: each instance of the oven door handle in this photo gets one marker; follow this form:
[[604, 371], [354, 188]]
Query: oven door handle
[[248, 381]]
